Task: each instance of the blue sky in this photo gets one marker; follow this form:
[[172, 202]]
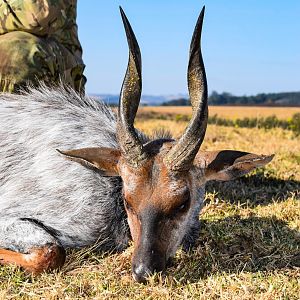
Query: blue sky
[[249, 46]]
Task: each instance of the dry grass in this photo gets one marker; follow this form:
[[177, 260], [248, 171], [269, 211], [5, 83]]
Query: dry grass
[[249, 246], [230, 112]]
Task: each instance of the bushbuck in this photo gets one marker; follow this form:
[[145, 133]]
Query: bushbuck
[[72, 175]]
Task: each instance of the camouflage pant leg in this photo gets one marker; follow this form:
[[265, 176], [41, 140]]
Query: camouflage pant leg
[[26, 58]]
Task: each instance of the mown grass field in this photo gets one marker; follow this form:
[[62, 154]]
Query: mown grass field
[[249, 246]]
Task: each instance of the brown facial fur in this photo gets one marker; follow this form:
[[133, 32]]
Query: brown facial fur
[[152, 183], [151, 192]]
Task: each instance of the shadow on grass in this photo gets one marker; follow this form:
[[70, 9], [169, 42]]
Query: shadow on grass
[[260, 187], [236, 244]]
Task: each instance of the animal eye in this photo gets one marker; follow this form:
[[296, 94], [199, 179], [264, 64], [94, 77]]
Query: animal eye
[[184, 206]]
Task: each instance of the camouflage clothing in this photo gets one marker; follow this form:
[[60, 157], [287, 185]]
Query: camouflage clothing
[[38, 41]]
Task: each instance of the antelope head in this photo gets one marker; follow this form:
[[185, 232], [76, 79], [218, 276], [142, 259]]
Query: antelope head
[[162, 177]]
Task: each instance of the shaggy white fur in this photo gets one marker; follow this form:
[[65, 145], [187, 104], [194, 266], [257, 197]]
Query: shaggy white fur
[[45, 198]]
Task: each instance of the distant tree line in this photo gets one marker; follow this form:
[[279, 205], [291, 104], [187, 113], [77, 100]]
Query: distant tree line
[[272, 99]]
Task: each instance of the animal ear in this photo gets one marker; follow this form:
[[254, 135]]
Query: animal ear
[[103, 159], [228, 164]]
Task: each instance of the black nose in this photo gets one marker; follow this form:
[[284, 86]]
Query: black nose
[[140, 272]]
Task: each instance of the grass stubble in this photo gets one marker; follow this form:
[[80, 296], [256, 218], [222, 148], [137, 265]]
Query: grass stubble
[[248, 247]]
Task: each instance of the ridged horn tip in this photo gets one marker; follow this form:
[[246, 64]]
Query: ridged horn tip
[[130, 95], [181, 156]]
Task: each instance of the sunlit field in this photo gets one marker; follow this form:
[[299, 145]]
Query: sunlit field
[[232, 112], [248, 248]]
